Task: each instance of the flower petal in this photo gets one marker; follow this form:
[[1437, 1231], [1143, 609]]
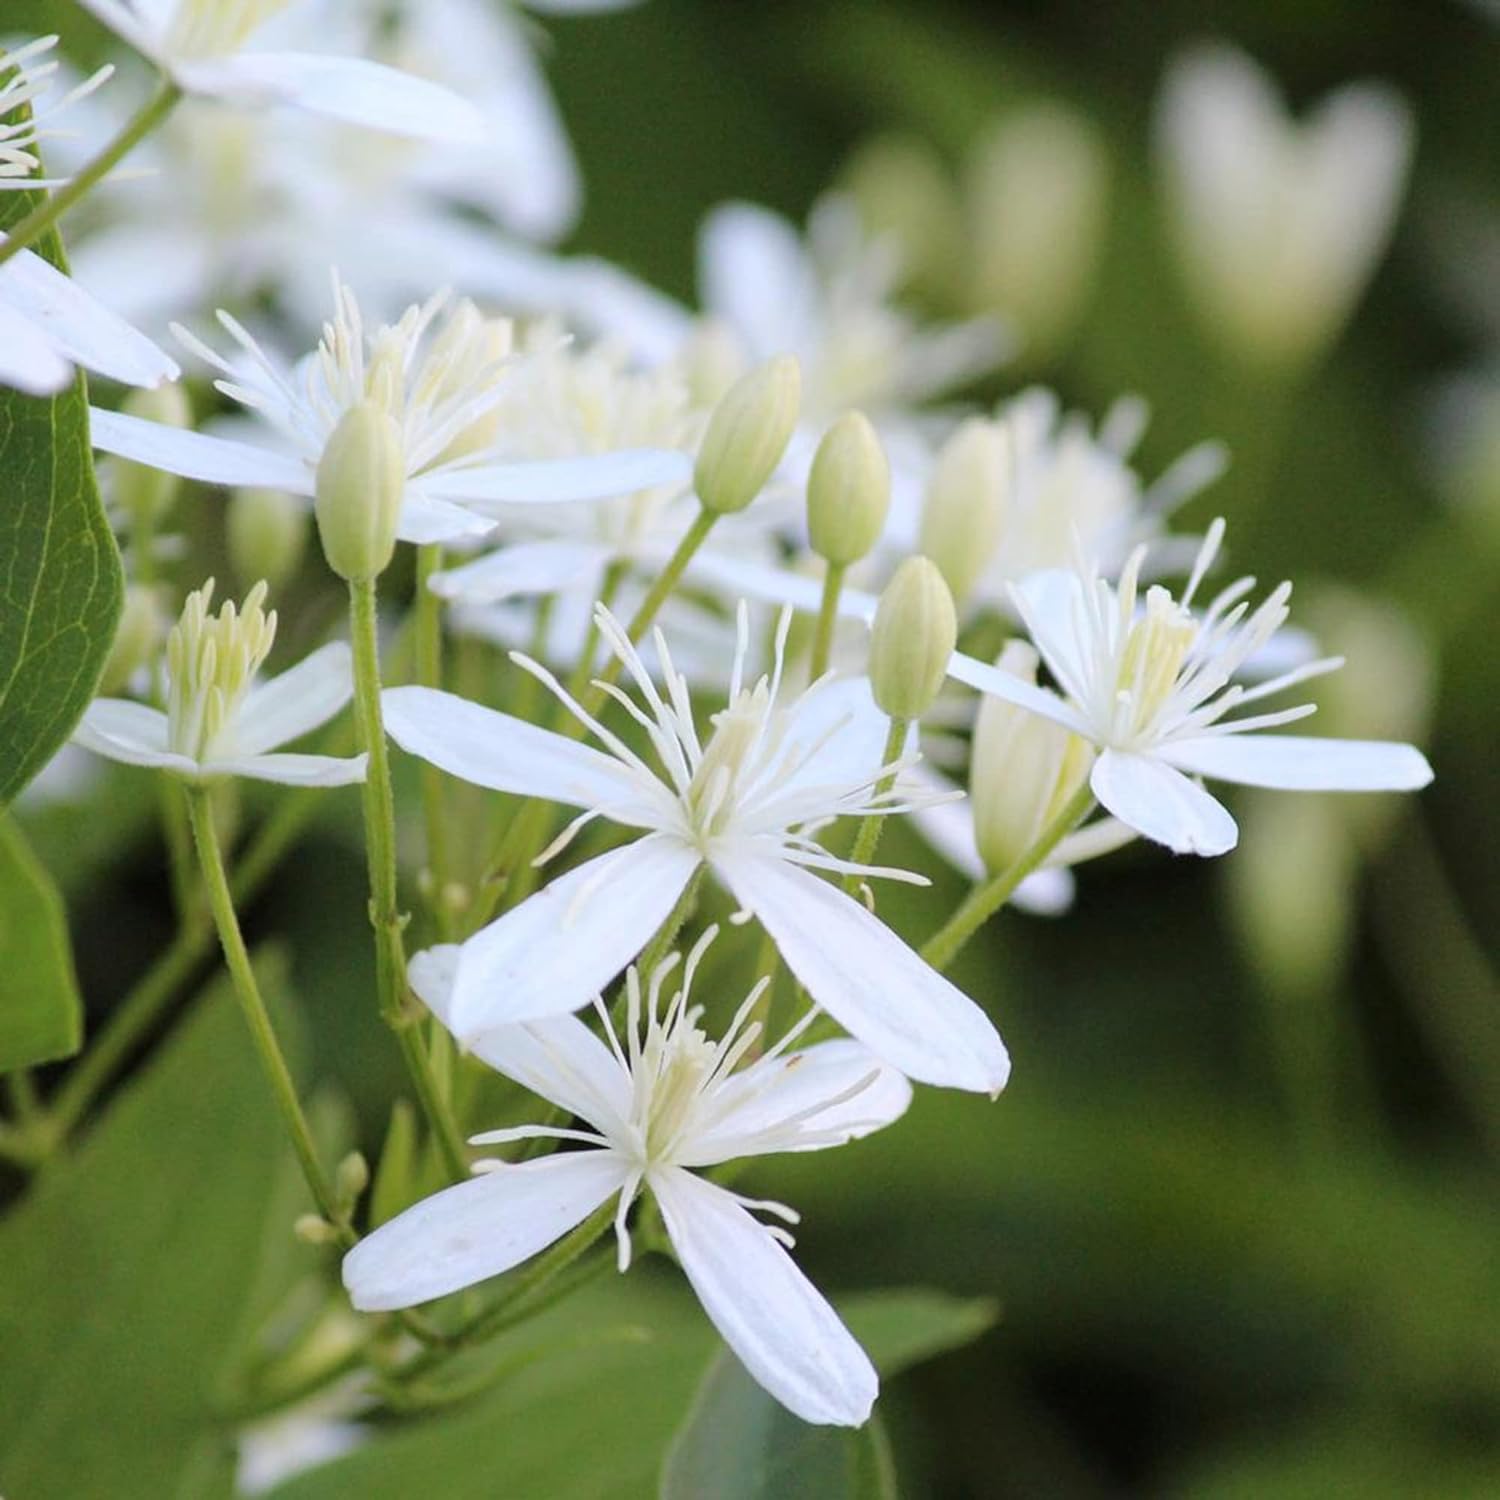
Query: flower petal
[[1302, 763], [78, 326], [525, 568], [351, 89], [1047, 893], [999, 683], [737, 577], [289, 706], [1161, 803], [505, 754], [761, 1109], [557, 949], [292, 770], [594, 476], [424, 519], [28, 362], [868, 980], [124, 23], [131, 733], [196, 455], [754, 273], [780, 1327], [468, 1233]]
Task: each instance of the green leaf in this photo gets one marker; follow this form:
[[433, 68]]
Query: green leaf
[[41, 1015], [61, 584], [128, 1274], [738, 1443]]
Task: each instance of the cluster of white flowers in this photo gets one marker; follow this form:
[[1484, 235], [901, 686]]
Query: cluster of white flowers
[[562, 476]]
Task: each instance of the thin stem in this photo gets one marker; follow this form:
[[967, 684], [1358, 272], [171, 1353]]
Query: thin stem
[[828, 618], [380, 850], [661, 943], [429, 654], [20, 1089], [48, 212], [868, 837], [986, 899], [253, 1008], [583, 668]]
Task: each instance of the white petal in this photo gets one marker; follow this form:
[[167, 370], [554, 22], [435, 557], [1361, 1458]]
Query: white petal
[[595, 476], [195, 455], [124, 23], [79, 327], [754, 272], [503, 753], [292, 770], [1301, 763], [868, 980], [350, 89], [131, 733], [478, 1229], [424, 519], [747, 578], [564, 1062], [1048, 601], [287, 707], [783, 1332], [1047, 893], [1001, 684], [792, 1094], [948, 826], [842, 720], [28, 362], [557, 949], [526, 568], [1161, 803]]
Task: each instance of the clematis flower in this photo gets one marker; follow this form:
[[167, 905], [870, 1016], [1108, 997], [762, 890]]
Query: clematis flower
[[659, 1105], [204, 47], [746, 801], [1151, 687], [439, 372], [48, 323], [219, 720]]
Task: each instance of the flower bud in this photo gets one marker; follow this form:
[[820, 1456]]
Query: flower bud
[[313, 1229], [966, 502], [848, 491], [1023, 769], [137, 639], [913, 639], [351, 1178], [747, 435], [267, 535], [361, 483], [144, 494]]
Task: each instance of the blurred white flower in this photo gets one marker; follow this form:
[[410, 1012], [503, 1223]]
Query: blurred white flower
[[439, 373], [219, 720], [1149, 687], [748, 803], [207, 47], [1279, 224], [658, 1106]]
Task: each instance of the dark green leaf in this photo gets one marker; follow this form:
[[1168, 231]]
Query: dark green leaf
[[41, 1015]]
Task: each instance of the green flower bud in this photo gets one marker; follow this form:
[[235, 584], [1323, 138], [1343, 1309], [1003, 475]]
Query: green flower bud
[[137, 638], [1022, 772], [747, 435], [146, 495], [848, 491], [966, 502], [267, 535], [915, 632], [361, 482], [351, 1178]]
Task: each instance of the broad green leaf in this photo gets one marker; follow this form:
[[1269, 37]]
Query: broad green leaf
[[128, 1272], [41, 1015], [737, 1443], [61, 583]]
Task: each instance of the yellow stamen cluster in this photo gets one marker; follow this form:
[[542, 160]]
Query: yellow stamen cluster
[[1155, 649], [211, 662], [210, 28], [738, 729]]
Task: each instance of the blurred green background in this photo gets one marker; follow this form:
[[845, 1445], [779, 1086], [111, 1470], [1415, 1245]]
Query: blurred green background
[[1239, 1203]]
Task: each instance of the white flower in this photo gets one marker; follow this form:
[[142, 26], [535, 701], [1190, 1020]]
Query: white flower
[[219, 720], [1150, 687], [49, 324], [658, 1108], [204, 47], [439, 373], [1279, 224], [746, 803]]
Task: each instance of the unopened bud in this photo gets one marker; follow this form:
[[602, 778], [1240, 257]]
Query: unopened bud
[[351, 1178], [137, 638], [915, 632], [145, 494], [1023, 770], [313, 1229], [747, 435], [361, 483], [711, 361], [267, 535], [848, 491], [966, 502]]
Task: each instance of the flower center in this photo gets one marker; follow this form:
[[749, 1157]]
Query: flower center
[[1156, 646], [211, 662], [210, 28], [738, 731], [675, 1064]]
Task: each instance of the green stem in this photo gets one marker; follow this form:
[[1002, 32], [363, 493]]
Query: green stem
[[986, 899], [253, 1007], [868, 837], [50, 210], [380, 850], [828, 618], [661, 943], [429, 654]]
